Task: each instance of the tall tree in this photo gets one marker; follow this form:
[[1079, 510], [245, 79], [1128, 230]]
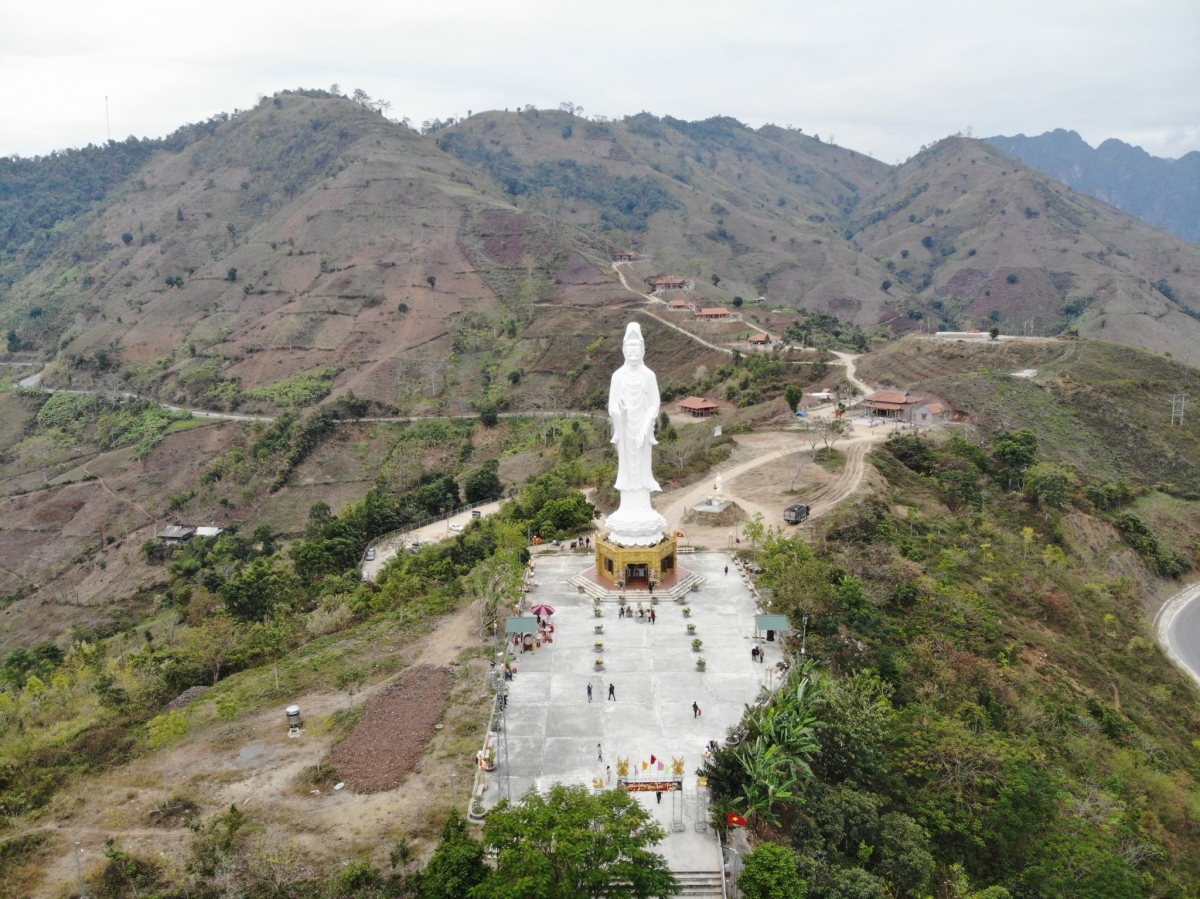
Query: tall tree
[[456, 865], [570, 844]]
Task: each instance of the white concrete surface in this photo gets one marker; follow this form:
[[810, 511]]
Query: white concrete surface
[[553, 731]]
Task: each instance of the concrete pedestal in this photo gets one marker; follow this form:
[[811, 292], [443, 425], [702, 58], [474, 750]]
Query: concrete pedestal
[[636, 566]]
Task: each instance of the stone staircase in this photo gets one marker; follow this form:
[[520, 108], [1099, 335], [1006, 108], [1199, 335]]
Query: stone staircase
[[676, 591], [700, 883]]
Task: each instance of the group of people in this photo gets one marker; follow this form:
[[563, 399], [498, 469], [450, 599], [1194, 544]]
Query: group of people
[[652, 616]]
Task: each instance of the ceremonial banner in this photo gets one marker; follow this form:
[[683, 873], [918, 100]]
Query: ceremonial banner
[[651, 786]]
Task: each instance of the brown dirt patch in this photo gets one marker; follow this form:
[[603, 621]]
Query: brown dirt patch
[[397, 725]]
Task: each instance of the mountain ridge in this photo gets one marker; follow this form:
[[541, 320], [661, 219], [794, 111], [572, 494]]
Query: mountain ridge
[[312, 243], [1163, 192]]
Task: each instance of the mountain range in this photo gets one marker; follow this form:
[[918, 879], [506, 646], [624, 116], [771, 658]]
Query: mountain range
[[310, 246], [1163, 192]]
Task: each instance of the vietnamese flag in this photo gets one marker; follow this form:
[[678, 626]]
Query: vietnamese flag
[[733, 819]]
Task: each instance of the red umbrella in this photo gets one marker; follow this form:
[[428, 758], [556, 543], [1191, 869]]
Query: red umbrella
[[542, 610]]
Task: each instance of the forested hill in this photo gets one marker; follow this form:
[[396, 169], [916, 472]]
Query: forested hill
[[38, 193], [1163, 192], [310, 246]]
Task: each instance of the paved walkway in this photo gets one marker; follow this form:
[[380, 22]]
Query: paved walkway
[[553, 731]]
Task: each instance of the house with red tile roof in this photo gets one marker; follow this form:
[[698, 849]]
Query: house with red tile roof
[[698, 407]]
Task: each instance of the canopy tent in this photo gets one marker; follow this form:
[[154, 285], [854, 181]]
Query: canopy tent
[[520, 625], [772, 625]]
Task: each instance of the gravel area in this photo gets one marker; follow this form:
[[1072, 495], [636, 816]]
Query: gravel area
[[396, 726], [185, 698]]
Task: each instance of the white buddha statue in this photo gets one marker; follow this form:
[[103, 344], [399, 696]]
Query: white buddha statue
[[633, 405]]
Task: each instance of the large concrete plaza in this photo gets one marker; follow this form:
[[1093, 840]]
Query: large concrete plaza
[[552, 730]]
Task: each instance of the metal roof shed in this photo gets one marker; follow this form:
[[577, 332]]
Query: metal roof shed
[[772, 624], [525, 624]]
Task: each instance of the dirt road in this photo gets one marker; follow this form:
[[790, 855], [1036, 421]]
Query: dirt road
[[775, 451]]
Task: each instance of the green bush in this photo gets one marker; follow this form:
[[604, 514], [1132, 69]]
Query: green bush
[[300, 390]]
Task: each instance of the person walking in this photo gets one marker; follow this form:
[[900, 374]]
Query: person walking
[[727, 569], [658, 796], [608, 774], [599, 753], [612, 693], [653, 616], [589, 691], [622, 613], [754, 654], [695, 710]]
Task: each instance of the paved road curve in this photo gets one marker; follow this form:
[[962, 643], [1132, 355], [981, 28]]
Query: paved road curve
[[1178, 629]]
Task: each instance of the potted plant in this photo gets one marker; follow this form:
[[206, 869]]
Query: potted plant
[[488, 762], [477, 813], [701, 663], [597, 611], [599, 628], [691, 627], [599, 644], [696, 644], [687, 611], [599, 663]]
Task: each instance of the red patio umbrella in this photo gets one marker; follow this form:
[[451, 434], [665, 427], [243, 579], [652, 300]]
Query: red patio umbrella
[[542, 610]]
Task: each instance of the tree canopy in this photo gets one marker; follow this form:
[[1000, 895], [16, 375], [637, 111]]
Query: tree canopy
[[570, 844]]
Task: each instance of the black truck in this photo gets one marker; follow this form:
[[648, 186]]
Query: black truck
[[796, 513]]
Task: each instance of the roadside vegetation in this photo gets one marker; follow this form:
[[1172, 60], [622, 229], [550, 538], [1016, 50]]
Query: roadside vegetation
[[985, 713]]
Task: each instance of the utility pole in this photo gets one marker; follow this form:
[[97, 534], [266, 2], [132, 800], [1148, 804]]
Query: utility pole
[[1178, 402]]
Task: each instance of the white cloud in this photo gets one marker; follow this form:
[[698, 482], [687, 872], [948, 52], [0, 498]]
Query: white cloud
[[883, 77]]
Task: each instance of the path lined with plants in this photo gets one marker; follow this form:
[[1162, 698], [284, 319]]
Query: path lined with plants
[[34, 381]]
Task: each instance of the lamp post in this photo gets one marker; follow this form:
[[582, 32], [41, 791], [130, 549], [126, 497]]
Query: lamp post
[[804, 638]]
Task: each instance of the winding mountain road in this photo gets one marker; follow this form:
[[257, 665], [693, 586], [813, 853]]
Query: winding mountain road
[[1177, 627]]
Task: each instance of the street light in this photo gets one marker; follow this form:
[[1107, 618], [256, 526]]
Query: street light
[[804, 638]]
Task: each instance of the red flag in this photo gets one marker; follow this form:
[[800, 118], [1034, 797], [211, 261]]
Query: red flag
[[733, 819], [653, 759]]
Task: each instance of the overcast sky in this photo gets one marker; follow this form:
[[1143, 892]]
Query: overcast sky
[[880, 77]]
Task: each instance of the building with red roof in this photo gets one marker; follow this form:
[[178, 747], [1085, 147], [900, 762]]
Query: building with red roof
[[698, 407]]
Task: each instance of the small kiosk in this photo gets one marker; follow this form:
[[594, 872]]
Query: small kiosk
[[766, 627], [523, 631]]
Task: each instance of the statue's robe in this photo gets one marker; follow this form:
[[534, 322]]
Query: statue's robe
[[633, 405]]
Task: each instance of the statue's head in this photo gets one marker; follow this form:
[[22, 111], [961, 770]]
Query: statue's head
[[633, 345]]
